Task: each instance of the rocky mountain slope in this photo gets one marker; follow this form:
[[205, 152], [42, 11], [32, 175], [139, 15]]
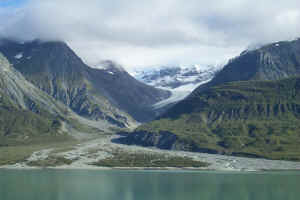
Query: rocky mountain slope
[[110, 94], [270, 62], [25, 111], [231, 116]]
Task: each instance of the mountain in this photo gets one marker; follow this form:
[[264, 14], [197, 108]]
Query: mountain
[[174, 77], [180, 80], [249, 108], [251, 118], [110, 95], [269, 62], [25, 111]]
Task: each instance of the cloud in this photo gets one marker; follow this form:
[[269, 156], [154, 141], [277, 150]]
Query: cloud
[[145, 33]]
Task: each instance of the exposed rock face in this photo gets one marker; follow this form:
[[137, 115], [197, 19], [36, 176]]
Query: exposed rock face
[[98, 94], [25, 110], [133, 96], [22, 93], [163, 140]]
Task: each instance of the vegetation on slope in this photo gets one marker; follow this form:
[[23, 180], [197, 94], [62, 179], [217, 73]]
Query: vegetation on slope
[[253, 118], [20, 126]]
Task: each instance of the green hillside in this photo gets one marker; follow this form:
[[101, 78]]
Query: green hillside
[[251, 118]]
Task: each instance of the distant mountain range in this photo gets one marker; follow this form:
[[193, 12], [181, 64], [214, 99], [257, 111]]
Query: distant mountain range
[[175, 77], [250, 108], [180, 80]]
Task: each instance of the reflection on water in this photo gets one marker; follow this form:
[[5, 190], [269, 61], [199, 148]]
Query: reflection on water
[[146, 185]]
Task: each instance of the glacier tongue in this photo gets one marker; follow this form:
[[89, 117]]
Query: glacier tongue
[[178, 94], [180, 80]]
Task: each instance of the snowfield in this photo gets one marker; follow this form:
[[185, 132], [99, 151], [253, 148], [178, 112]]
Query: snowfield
[[180, 80]]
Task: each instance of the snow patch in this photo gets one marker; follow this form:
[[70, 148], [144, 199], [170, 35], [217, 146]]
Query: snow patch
[[100, 67], [19, 55]]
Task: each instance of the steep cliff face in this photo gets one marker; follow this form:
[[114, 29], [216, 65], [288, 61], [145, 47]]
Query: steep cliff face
[[98, 94]]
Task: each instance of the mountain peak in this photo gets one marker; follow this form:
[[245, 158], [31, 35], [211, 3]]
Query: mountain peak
[[97, 94], [270, 62]]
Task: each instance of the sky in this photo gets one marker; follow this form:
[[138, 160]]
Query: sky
[[145, 33], [12, 3]]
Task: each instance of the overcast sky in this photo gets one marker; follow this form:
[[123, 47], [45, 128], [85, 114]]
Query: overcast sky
[[152, 32]]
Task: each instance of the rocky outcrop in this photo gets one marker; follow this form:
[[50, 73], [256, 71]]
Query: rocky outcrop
[[163, 140]]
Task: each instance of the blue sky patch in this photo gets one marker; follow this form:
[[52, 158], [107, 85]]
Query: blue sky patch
[[12, 3]]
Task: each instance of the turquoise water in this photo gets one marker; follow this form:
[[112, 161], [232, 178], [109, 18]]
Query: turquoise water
[[147, 185]]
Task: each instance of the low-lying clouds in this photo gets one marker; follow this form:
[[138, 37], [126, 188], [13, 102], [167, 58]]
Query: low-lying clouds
[[145, 33]]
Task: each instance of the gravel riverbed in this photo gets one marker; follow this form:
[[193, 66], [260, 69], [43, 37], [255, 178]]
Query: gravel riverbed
[[83, 154]]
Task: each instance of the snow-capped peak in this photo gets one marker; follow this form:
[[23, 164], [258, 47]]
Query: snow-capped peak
[[172, 77], [181, 80]]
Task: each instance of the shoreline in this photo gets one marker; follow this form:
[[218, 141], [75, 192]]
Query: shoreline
[[84, 154], [166, 169]]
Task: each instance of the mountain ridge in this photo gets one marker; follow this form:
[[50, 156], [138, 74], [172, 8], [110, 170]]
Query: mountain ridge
[[270, 62], [92, 93]]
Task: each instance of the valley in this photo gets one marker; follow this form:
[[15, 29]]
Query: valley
[[180, 80], [82, 155], [149, 100], [250, 108], [68, 115]]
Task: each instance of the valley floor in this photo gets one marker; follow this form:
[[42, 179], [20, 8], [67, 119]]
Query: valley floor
[[82, 155]]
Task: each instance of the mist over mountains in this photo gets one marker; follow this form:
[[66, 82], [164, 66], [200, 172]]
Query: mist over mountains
[[143, 33]]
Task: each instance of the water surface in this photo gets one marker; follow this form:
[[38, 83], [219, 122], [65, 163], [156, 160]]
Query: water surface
[[147, 185]]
